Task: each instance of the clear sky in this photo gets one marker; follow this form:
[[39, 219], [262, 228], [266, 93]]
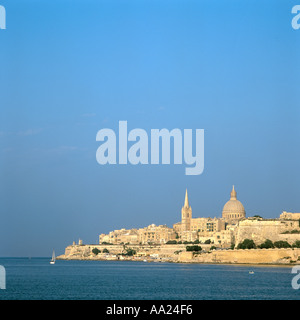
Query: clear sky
[[70, 68]]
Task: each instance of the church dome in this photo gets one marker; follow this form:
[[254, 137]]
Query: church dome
[[233, 209]]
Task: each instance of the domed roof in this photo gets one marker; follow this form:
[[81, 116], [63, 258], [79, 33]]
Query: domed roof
[[233, 206]]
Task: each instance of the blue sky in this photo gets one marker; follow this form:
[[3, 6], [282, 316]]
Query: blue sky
[[71, 68]]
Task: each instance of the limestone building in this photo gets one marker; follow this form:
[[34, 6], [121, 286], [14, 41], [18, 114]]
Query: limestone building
[[289, 216], [233, 210], [156, 234], [191, 229], [120, 236], [149, 235]]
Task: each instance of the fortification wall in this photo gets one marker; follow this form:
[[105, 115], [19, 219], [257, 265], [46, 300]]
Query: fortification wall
[[85, 251], [260, 230], [252, 256]]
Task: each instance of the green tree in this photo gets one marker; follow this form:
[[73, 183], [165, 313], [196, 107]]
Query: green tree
[[208, 241], [171, 242], [246, 244], [130, 252], [193, 248], [105, 250], [296, 244], [267, 244], [96, 251], [281, 244]]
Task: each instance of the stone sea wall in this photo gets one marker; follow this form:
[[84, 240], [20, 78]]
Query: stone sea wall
[[251, 256], [85, 251], [178, 253]]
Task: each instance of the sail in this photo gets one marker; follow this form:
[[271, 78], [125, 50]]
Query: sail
[[53, 256]]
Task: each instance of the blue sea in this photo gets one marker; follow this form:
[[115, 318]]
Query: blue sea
[[36, 279]]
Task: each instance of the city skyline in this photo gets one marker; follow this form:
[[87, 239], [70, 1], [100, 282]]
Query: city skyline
[[192, 227], [68, 72]]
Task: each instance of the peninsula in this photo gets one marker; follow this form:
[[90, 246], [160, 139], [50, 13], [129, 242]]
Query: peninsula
[[234, 238]]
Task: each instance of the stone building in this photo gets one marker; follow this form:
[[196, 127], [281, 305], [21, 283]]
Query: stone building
[[156, 234], [233, 210], [207, 225], [120, 236], [191, 229], [223, 238], [289, 216], [151, 234]]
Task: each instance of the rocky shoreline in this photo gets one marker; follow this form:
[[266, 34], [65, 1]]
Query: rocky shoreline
[[178, 254]]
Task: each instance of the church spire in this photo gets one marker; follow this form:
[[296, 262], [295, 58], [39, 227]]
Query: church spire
[[233, 194], [186, 200]]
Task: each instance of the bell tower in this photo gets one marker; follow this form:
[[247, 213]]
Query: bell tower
[[186, 214]]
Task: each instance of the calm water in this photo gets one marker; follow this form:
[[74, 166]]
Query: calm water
[[36, 279]]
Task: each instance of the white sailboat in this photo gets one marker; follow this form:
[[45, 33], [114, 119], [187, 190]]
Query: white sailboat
[[53, 258]]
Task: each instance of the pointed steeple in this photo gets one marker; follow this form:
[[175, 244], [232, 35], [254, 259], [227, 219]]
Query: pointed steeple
[[186, 214], [233, 194], [186, 200]]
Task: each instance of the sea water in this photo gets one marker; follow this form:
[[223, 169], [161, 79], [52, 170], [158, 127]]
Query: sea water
[[36, 279]]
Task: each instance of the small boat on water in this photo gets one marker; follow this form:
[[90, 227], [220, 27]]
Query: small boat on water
[[251, 272], [52, 261]]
